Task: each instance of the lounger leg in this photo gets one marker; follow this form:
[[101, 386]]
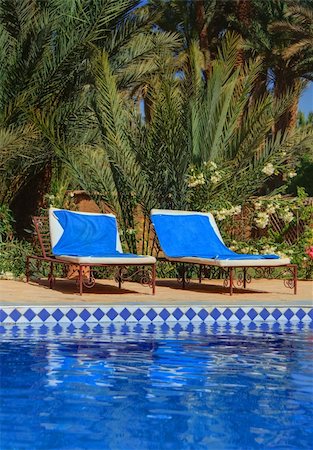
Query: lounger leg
[[27, 269], [80, 280], [231, 273], [200, 273], [295, 279], [244, 277], [184, 276], [50, 276], [119, 277], [153, 278]]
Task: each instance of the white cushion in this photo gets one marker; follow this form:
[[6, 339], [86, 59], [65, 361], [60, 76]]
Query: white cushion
[[234, 262], [110, 260]]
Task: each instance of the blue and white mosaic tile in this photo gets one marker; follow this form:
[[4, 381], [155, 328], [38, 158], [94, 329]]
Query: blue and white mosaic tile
[[147, 314]]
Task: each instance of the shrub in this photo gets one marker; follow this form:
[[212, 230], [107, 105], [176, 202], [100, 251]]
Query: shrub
[[13, 257]]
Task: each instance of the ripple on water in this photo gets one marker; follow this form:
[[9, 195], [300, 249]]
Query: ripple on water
[[95, 390]]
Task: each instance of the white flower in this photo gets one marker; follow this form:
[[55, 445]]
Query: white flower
[[258, 205], [221, 215], [268, 250], [287, 217], [261, 220], [271, 209], [211, 165], [268, 169], [215, 178], [292, 174], [281, 254], [235, 210], [196, 180]]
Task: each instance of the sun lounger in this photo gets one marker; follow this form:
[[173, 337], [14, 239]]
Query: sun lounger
[[190, 237], [86, 240]]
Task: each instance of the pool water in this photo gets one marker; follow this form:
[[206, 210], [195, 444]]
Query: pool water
[[167, 388]]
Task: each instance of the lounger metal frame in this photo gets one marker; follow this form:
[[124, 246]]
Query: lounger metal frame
[[229, 272], [41, 224]]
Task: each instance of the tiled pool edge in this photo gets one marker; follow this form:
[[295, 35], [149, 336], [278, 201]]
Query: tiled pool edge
[[152, 314]]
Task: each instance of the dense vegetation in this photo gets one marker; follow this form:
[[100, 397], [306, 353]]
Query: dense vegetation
[[176, 104]]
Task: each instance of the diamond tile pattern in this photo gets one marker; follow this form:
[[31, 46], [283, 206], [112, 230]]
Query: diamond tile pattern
[[264, 313], [190, 314], [98, 314], [252, 314], [276, 314], [178, 313], [164, 314], [216, 313], [227, 313], [3, 315], [300, 314], [29, 314], [57, 314], [151, 314], [15, 315], [288, 314], [43, 315], [138, 314], [240, 313], [125, 314], [203, 314], [111, 314], [85, 314], [71, 315], [133, 313]]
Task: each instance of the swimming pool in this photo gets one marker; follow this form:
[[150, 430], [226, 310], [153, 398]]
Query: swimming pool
[[167, 386]]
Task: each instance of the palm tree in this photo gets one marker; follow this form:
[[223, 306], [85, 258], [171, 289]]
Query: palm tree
[[295, 56], [47, 48], [266, 37], [133, 163]]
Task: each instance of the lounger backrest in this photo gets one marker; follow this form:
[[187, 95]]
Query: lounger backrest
[[41, 224], [186, 233], [72, 232]]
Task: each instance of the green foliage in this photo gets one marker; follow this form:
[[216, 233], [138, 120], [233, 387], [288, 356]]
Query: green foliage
[[13, 257], [6, 224], [73, 75], [270, 239], [296, 252], [12, 252], [193, 120], [47, 49]]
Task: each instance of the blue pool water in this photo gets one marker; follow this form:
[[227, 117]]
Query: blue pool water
[[175, 387]]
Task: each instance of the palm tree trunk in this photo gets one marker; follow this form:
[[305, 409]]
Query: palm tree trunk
[[244, 13], [30, 199], [202, 28], [285, 84], [260, 87]]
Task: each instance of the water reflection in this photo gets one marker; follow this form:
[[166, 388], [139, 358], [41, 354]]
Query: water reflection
[[132, 388]]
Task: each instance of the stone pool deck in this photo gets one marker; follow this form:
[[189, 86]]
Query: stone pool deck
[[262, 293]]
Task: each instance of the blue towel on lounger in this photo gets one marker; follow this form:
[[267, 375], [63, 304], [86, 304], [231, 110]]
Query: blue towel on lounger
[[87, 235], [193, 235]]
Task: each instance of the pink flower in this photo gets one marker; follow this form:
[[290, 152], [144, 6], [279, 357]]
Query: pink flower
[[309, 252]]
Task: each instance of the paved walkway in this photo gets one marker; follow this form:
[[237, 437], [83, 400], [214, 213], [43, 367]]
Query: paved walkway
[[168, 292]]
